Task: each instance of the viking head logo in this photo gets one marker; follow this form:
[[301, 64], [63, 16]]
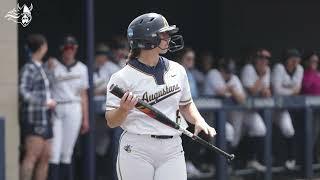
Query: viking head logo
[[20, 15]]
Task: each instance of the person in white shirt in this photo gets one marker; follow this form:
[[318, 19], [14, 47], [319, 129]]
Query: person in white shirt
[[104, 68], [69, 89], [149, 149], [105, 138], [223, 82], [286, 81], [255, 78]]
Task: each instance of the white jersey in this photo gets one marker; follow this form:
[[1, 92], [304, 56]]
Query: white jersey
[[249, 76], [282, 82], [214, 81], [69, 82], [103, 75], [164, 86]]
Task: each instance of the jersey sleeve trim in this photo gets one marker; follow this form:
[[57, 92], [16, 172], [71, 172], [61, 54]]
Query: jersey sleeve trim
[[108, 107], [185, 102]]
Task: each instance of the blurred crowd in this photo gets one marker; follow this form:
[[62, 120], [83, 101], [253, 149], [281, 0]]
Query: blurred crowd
[[54, 108]]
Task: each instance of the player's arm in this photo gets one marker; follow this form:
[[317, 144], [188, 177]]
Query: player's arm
[[249, 83], [254, 89], [239, 96], [117, 116], [237, 91], [85, 111], [192, 115]]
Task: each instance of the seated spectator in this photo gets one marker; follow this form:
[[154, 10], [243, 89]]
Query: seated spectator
[[255, 77], [36, 101], [311, 87], [286, 81]]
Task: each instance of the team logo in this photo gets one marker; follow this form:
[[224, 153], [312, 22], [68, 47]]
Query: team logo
[[130, 32], [127, 148], [21, 15]]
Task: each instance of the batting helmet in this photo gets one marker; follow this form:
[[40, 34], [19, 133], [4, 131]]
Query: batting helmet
[[144, 32]]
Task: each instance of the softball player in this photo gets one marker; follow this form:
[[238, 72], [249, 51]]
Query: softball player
[[256, 80], [104, 68], [149, 149], [69, 90], [286, 81], [223, 82]]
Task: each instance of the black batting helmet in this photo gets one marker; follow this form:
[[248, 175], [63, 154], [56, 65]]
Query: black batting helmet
[[144, 32]]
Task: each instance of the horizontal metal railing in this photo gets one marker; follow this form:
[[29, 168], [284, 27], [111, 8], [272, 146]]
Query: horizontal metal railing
[[266, 105]]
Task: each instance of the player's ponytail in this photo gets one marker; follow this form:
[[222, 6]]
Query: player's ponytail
[[134, 53]]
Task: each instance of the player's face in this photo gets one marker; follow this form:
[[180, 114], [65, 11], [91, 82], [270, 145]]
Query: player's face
[[69, 52], [188, 59], [292, 63], [44, 49], [164, 43], [313, 62], [262, 64], [100, 60], [226, 76]]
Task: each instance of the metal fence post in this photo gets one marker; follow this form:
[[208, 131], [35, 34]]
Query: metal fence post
[[268, 144], [222, 171], [89, 163], [308, 140], [2, 149]]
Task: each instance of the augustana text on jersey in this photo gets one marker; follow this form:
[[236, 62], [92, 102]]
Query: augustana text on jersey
[[162, 94]]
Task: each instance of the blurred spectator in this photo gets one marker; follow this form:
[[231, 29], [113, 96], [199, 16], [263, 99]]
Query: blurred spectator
[[36, 101], [186, 59], [224, 83], [311, 86], [286, 81], [255, 77], [70, 84], [311, 77], [206, 62], [104, 68], [120, 49]]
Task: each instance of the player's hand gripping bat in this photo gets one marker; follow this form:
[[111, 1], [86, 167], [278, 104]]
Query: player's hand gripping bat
[[157, 115]]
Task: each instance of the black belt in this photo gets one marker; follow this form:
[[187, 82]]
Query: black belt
[[67, 102], [161, 136]]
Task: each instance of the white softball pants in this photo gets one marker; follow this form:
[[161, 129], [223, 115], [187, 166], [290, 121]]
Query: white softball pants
[[142, 157], [66, 126], [284, 122], [240, 123]]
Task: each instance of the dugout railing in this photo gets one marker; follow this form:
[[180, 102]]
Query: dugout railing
[[265, 105]]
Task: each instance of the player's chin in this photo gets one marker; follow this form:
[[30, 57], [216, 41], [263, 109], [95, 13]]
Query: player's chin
[[163, 51]]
